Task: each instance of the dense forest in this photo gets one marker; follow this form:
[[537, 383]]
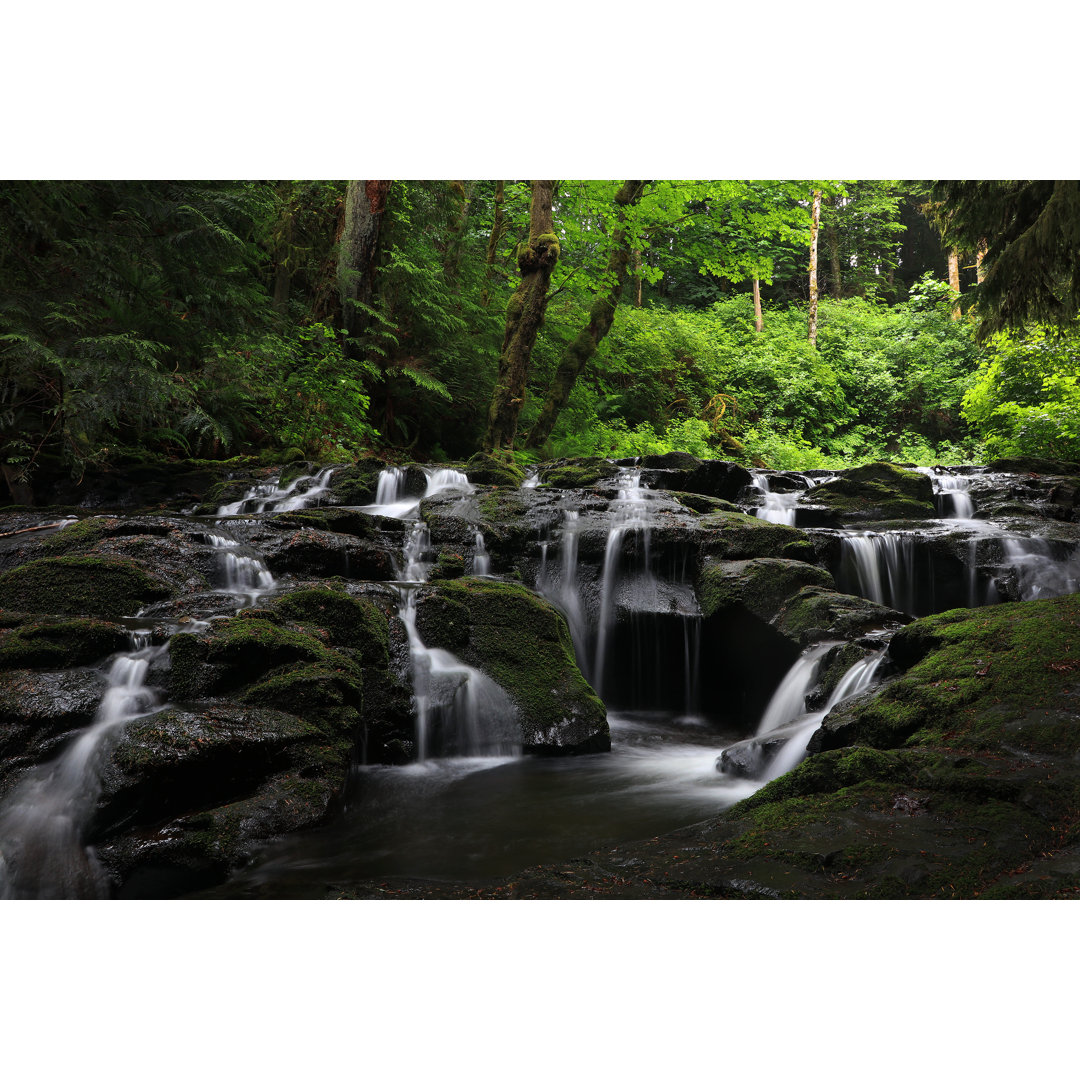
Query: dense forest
[[789, 324]]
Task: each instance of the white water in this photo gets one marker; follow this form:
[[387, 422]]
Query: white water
[[950, 493], [481, 564], [391, 501], [789, 698], [42, 852], [304, 491], [1039, 572], [778, 506], [246, 576], [882, 565]]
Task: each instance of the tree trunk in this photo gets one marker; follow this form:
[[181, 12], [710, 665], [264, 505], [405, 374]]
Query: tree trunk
[[365, 201], [954, 279], [283, 253], [498, 228], [637, 276], [601, 316], [980, 255], [452, 257], [524, 316], [833, 238], [759, 322], [22, 494], [815, 219]]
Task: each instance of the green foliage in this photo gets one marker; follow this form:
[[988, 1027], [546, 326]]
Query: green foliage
[[1026, 397]]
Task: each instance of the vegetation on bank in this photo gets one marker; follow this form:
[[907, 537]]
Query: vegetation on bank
[[333, 320]]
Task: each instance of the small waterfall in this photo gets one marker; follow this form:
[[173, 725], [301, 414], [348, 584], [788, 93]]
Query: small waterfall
[[789, 699], [879, 566], [951, 496], [779, 506], [246, 576], [560, 585], [460, 712], [481, 563], [532, 479], [859, 677], [1039, 572], [631, 513], [468, 713], [390, 497], [304, 491], [42, 853]]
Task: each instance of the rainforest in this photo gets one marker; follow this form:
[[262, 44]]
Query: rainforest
[[541, 539]]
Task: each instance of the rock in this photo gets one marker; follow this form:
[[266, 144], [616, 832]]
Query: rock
[[55, 643], [739, 536], [523, 644], [819, 613], [758, 586], [485, 469], [720, 479]]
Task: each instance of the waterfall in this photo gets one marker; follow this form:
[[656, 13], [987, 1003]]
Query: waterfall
[[631, 513], [391, 501], [460, 712], [532, 479], [270, 496], [42, 852], [778, 506], [789, 698], [951, 496], [245, 575], [481, 564], [879, 566], [1039, 572], [561, 586]]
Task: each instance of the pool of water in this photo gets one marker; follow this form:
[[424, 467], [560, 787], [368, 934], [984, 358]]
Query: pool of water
[[478, 819]]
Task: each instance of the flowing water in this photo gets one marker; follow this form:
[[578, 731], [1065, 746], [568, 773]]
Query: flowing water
[[271, 497], [43, 855]]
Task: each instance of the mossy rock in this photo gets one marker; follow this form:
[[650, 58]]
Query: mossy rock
[[53, 644], [350, 622], [1038, 465], [239, 651], [327, 519], [521, 642], [356, 485], [448, 565], [329, 697], [704, 504], [675, 459], [738, 536], [578, 473], [485, 469], [758, 586], [816, 613], [81, 585]]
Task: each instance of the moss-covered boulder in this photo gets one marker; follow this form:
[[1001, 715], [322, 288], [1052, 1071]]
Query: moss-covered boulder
[[720, 479], [315, 553], [1037, 465], [738, 536], [355, 623], [485, 469], [106, 587], [818, 613], [578, 472], [522, 643], [876, 492], [55, 643], [704, 504], [760, 587]]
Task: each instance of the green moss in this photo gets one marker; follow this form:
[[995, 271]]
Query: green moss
[[80, 585], [704, 504], [486, 469], [739, 536], [760, 586], [326, 696], [816, 611], [328, 519], [80, 535], [349, 622], [448, 565], [51, 645], [579, 472]]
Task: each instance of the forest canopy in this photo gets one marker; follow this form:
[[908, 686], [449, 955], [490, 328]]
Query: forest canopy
[[783, 323]]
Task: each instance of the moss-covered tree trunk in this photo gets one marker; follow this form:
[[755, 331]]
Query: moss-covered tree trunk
[[365, 202], [601, 316], [524, 316], [815, 218]]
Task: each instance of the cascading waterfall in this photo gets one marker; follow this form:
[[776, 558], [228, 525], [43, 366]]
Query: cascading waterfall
[[42, 852], [1040, 573], [951, 496], [390, 497], [778, 506], [481, 563], [789, 698], [246, 576], [457, 706], [879, 566], [302, 492], [560, 585]]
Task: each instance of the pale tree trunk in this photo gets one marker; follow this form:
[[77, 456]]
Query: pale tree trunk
[[954, 279], [815, 219], [524, 316], [980, 255], [365, 202], [601, 316], [498, 228], [759, 322]]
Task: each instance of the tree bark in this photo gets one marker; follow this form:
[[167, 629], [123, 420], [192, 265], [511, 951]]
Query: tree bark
[[365, 202], [601, 316], [759, 322], [524, 316], [954, 279], [815, 219], [980, 255]]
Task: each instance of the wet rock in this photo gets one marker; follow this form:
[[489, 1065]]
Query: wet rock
[[577, 472], [739, 536], [485, 469], [720, 479], [758, 586], [55, 643], [523, 644]]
